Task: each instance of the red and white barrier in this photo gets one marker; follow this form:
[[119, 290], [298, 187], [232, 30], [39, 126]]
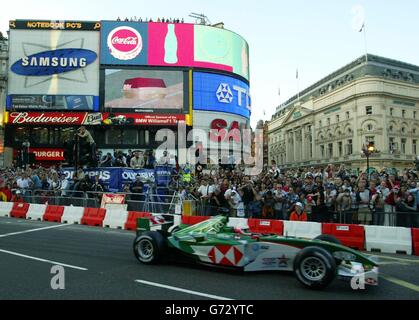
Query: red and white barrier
[[388, 239], [351, 235], [36, 212], [54, 213], [5, 209], [371, 238], [415, 241], [115, 218], [300, 229], [72, 215]]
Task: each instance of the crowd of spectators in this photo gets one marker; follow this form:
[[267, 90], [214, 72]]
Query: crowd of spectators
[[331, 194], [134, 160]]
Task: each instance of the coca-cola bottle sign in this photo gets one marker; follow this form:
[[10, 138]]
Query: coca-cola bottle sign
[[125, 43]]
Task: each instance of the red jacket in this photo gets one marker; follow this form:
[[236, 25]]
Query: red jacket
[[298, 217]]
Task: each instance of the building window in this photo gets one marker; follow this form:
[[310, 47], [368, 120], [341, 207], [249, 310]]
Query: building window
[[368, 110], [328, 121], [370, 127], [414, 131], [40, 135], [391, 128], [414, 147], [403, 113], [403, 146], [347, 115], [330, 149], [130, 136], [414, 114], [349, 150], [340, 148], [337, 119], [320, 123], [114, 136], [67, 134], [21, 134], [391, 112], [403, 130], [391, 144], [322, 151]]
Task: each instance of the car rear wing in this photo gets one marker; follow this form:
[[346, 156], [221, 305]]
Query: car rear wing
[[161, 222]]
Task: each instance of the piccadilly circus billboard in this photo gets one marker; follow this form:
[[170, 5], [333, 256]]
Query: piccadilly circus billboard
[[173, 44], [54, 68], [220, 93]]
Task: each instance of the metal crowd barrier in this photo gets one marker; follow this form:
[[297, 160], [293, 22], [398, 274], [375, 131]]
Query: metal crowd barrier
[[169, 203]]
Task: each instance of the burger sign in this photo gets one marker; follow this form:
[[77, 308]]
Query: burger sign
[[125, 43]]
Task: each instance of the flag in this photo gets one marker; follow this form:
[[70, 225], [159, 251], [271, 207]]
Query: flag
[[296, 75], [362, 28]]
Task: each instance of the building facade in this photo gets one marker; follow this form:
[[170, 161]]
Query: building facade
[[125, 81], [4, 56], [372, 99]]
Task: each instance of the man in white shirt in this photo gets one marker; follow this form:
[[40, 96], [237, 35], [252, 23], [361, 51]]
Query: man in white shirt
[[235, 201], [137, 162], [205, 192], [24, 181], [165, 159]]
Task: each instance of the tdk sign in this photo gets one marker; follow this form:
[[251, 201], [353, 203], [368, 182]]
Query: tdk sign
[[54, 62], [224, 93], [221, 93]]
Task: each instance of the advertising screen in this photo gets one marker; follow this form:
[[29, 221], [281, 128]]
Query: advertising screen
[[174, 44], [221, 47], [124, 43], [145, 91], [213, 92], [53, 70]]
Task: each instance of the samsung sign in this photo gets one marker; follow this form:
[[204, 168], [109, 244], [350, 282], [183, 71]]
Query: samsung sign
[[54, 62], [220, 93]]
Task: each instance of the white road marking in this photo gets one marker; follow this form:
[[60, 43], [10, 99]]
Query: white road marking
[[401, 283], [182, 290], [42, 260], [399, 259], [32, 230]]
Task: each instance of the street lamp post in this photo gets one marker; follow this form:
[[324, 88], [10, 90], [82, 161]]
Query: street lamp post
[[368, 150]]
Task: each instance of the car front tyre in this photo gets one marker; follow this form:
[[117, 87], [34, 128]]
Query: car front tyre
[[315, 267], [149, 247]]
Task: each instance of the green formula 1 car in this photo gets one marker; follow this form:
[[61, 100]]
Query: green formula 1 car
[[315, 262]]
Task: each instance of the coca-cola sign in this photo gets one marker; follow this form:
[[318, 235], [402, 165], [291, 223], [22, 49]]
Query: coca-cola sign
[[125, 43]]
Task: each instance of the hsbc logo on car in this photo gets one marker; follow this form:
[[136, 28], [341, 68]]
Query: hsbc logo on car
[[225, 94]]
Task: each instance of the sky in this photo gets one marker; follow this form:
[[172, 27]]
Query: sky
[[316, 37]]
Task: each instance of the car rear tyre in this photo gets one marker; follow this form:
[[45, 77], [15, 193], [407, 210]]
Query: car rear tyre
[[315, 267], [149, 247]]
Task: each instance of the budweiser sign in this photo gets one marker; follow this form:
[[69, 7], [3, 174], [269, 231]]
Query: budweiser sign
[[92, 119], [42, 118], [125, 43]]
